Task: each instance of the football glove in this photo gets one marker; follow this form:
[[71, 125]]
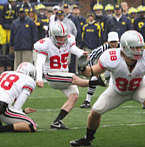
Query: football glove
[[100, 81], [82, 63]]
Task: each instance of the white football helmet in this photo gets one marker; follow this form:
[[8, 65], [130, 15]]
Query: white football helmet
[[58, 33], [132, 43], [27, 69]]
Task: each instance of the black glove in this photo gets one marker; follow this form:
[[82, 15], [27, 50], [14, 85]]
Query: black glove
[[82, 63], [99, 82]]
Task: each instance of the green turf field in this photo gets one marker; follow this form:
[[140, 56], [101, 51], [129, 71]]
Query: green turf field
[[122, 127]]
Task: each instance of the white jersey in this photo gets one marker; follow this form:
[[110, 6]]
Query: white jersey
[[57, 58], [124, 81], [12, 84]]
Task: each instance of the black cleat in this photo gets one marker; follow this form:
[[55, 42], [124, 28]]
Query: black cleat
[[81, 143], [85, 104], [58, 125]]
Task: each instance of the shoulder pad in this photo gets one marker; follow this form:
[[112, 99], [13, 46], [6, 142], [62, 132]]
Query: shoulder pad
[[110, 58], [41, 46]]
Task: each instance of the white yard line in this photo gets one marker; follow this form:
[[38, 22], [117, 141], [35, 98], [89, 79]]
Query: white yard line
[[103, 126], [77, 128], [39, 97], [57, 109]]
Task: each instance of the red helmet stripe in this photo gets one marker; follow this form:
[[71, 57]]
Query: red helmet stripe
[[62, 28], [140, 38]]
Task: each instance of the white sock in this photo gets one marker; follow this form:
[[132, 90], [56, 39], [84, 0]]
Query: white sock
[[88, 98]]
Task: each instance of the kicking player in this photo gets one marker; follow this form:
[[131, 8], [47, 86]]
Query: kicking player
[[52, 61]]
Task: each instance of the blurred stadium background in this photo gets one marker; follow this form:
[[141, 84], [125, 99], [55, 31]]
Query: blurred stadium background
[[86, 5]]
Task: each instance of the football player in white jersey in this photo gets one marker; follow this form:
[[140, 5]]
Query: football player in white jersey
[[127, 67], [15, 87], [52, 61]]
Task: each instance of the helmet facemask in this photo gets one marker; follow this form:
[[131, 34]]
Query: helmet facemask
[[133, 52], [60, 40], [132, 44], [58, 33]]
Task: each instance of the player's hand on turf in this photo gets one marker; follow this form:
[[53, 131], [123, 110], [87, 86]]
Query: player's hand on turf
[[29, 110], [40, 84]]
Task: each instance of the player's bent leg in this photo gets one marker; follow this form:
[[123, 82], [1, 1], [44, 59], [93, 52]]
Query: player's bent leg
[[20, 121], [65, 109], [93, 124], [139, 95], [69, 104], [72, 94], [18, 127], [6, 128], [24, 127], [107, 101], [94, 120]]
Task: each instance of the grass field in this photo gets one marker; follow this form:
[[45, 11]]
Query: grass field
[[122, 127]]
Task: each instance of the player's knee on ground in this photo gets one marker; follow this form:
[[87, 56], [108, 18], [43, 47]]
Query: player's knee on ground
[[24, 127], [32, 128]]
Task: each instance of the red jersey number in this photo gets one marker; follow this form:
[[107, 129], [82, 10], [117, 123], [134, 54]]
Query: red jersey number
[[41, 41], [57, 62], [8, 82], [123, 84], [113, 56]]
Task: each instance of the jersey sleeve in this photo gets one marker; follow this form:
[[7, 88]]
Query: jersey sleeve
[[109, 59], [71, 40], [21, 100], [27, 89], [41, 46], [96, 53], [29, 85], [39, 66], [73, 48]]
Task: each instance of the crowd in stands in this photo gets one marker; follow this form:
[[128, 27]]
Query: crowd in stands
[[22, 24]]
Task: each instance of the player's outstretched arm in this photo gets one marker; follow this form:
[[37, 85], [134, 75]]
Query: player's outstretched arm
[[79, 81], [94, 70]]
